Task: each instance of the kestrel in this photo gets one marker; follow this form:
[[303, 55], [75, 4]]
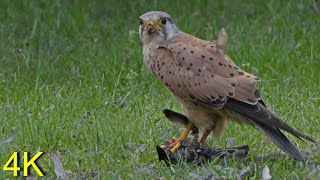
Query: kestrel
[[210, 87]]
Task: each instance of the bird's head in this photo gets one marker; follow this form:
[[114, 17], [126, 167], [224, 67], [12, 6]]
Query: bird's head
[[156, 27]]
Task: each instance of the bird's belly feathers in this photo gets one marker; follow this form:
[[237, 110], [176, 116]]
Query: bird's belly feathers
[[206, 118]]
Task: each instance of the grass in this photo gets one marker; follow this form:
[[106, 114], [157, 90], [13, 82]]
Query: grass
[[72, 80]]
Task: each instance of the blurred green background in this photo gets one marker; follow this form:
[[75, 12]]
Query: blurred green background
[[72, 80]]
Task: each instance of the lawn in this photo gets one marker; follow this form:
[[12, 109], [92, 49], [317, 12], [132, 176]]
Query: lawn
[[72, 81]]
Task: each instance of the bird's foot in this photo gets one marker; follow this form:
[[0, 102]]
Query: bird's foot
[[176, 146], [173, 142], [172, 145]]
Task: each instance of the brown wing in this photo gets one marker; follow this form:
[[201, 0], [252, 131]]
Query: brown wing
[[195, 69]]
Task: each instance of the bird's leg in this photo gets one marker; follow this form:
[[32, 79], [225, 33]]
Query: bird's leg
[[184, 135], [204, 136]]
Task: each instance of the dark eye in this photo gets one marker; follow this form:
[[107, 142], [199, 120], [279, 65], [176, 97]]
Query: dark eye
[[141, 21], [163, 20]]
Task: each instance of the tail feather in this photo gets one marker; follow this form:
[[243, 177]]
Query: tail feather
[[262, 119], [278, 138], [259, 113]]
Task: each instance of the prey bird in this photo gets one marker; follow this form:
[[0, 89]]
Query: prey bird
[[210, 87]]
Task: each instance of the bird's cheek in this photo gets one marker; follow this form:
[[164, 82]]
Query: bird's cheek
[[146, 38]]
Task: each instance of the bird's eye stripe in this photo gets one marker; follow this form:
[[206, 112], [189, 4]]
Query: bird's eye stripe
[[141, 21]]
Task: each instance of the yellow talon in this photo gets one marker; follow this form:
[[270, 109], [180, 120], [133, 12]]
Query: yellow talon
[[176, 147], [177, 142], [174, 139]]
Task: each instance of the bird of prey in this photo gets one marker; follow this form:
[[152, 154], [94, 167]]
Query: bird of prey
[[210, 87]]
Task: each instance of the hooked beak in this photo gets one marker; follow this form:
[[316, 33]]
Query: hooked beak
[[150, 27]]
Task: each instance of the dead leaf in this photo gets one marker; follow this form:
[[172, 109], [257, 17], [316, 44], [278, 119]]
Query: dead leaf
[[266, 173], [58, 169]]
